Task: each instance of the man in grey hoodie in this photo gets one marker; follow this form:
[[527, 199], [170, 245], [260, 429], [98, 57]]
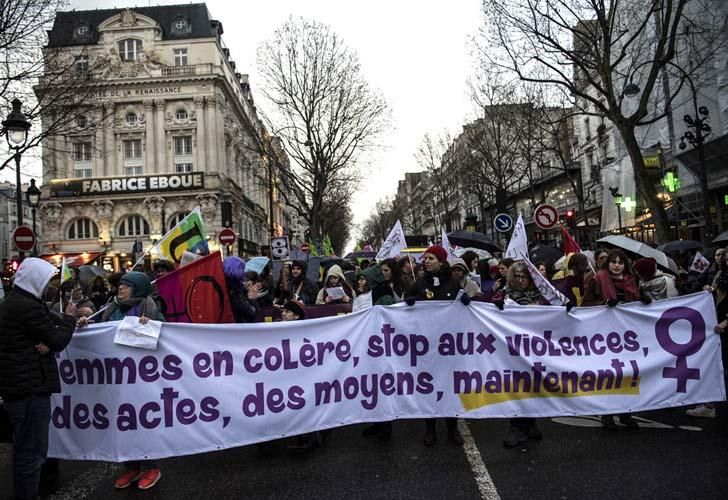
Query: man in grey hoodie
[[29, 335]]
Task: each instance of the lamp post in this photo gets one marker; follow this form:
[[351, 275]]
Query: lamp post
[[618, 202], [32, 194], [699, 123], [15, 129]]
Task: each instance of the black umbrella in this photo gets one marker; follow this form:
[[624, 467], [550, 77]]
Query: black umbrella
[[463, 238], [721, 238], [546, 253], [679, 246], [361, 254]]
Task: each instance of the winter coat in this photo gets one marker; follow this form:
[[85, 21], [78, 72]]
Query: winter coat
[[334, 271], [382, 294], [25, 321], [436, 286], [301, 290], [660, 287], [244, 309]]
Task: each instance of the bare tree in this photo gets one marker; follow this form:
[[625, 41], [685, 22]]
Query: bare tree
[[590, 49], [375, 229], [491, 151], [55, 84], [437, 158], [322, 109]]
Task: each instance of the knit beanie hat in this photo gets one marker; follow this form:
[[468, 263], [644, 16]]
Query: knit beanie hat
[[646, 268], [295, 308], [140, 283], [438, 252]]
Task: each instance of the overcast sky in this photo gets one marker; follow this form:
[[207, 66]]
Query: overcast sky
[[416, 52]]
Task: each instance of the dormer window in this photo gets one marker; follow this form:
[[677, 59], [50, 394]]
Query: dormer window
[[82, 32], [180, 25], [130, 49]]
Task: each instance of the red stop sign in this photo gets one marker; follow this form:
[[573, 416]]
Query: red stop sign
[[24, 238], [227, 236], [304, 247]]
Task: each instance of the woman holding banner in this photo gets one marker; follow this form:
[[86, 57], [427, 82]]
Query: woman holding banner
[[437, 284], [611, 286], [521, 289], [133, 299]]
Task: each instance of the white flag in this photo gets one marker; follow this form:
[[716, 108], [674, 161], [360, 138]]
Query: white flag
[[394, 244], [446, 245], [544, 286], [700, 263], [518, 246]]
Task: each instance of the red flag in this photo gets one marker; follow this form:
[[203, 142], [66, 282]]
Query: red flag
[[196, 293], [570, 244]]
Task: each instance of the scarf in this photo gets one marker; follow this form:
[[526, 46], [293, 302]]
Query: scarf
[[525, 297], [140, 306], [613, 287]]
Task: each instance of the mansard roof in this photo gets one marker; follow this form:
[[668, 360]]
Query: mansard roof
[[201, 25]]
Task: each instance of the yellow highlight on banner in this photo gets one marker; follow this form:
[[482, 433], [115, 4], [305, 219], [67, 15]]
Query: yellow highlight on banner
[[473, 401]]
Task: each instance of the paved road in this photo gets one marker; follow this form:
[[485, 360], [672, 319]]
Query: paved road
[[574, 461]]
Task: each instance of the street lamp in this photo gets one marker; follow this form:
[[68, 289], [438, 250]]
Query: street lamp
[[15, 129], [32, 194], [699, 123], [617, 201]]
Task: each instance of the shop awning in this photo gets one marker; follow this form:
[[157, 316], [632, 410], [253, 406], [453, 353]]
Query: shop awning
[[72, 259]]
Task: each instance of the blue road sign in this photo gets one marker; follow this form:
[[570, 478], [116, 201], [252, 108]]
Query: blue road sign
[[503, 223]]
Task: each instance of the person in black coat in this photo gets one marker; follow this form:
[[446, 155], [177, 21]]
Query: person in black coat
[[244, 309], [436, 284], [29, 335]]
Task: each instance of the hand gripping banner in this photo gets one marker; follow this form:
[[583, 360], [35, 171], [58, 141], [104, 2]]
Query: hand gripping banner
[[209, 387]]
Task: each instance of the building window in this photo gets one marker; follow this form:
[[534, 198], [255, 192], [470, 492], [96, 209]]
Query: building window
[[82, 64], [183, 154], [131, 119], [81, 151], [134, 225], [181, 115], [180, 55], [81, 121], [83, 229], [129, 49], [133, 157], [176, 219]]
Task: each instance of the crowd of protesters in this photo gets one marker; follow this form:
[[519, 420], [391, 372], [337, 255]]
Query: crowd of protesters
[[38, 319]]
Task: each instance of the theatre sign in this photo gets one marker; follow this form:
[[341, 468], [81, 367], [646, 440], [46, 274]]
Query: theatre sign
[[127, 185]]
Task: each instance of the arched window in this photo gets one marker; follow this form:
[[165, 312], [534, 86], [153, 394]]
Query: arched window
[[181, 114], [129, 49], [176, 219], [134, 225], [83, 229], [131, 118]]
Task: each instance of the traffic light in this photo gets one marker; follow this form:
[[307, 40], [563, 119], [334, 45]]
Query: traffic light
[[571, 218]]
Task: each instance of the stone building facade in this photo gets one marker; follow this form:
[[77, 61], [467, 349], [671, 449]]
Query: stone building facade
[[171, 126]]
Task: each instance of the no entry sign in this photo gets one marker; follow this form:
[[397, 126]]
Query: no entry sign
[[227, 236], [24, 238]]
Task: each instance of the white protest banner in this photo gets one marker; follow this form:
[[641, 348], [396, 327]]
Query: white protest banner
[[394, 244], [446, 244], [209, 387], [545, 287], [518, 246], [700, 263]]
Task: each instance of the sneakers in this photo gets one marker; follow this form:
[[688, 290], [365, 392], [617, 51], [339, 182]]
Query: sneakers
[[149, 478], [453, 435], [629, 422], [515, 437], [127, 478], [609, 423], [701, 411]]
